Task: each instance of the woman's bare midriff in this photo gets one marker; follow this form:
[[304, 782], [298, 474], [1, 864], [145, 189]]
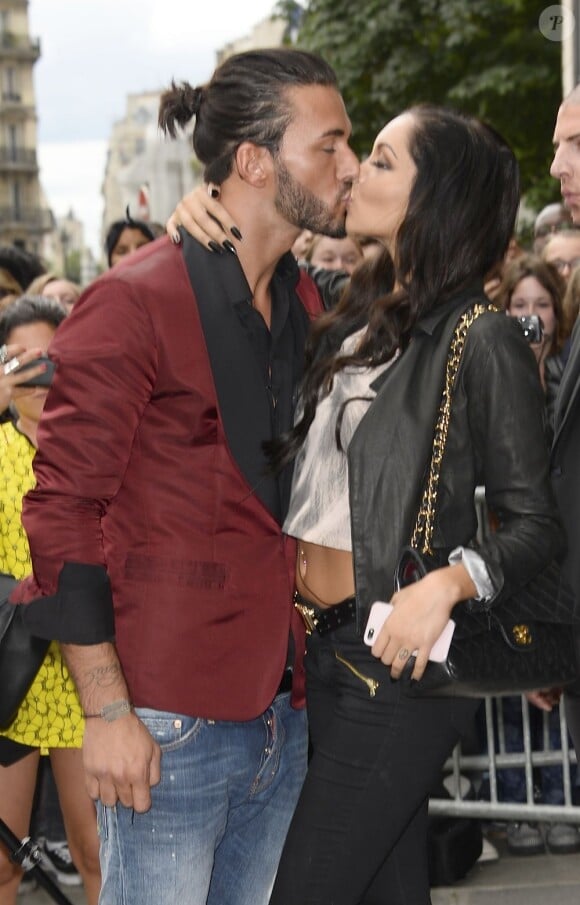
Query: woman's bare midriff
[[324, 575]]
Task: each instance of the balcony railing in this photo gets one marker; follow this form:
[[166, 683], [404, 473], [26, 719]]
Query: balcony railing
[[10, 97], [17, 158], [22, 44], [31, 218]]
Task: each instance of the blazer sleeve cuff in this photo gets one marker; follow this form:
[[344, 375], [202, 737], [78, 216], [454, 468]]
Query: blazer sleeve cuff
[[81, 611]]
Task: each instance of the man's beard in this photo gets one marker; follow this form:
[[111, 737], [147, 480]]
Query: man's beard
[[300, 207]]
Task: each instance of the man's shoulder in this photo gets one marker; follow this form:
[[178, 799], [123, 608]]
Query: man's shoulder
[[146, 262], [152, 271]]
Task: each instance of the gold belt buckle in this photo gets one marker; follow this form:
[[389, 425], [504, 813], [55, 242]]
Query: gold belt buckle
[[308, 616]]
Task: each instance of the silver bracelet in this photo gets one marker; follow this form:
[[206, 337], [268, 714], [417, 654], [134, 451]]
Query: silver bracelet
[[111, 712]]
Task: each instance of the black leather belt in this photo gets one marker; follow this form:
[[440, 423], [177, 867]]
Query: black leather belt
[[325, 619]]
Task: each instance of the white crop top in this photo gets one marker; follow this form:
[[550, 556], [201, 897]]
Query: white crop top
[[319, 509]]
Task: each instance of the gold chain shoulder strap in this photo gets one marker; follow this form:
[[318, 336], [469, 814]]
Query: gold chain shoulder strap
[[423, 531]]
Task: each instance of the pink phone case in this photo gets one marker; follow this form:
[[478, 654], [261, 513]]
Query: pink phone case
[[380, 612]]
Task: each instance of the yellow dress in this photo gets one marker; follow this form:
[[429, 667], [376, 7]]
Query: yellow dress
[[50, 716]]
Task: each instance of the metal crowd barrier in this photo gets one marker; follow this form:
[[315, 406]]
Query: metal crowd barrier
[[476, 766], [496, 757]]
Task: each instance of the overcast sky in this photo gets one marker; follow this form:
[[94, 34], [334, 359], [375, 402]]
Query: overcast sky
[[96, 52]]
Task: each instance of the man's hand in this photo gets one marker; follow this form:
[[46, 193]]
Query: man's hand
[[122, 761]]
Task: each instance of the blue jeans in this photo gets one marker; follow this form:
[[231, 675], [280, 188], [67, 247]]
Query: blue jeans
[[219, 815]]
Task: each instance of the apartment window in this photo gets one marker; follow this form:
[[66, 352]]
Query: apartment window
[[12, 137], [16, 192], [11, 84], [13, 142]]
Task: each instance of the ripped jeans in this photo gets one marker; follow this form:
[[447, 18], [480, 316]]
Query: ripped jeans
[[219, 816]]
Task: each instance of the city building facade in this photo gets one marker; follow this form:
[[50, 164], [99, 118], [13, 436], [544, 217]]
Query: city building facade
[[24, 216], [145, 172]]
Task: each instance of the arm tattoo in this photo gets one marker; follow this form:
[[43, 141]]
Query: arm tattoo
[[100, 677]]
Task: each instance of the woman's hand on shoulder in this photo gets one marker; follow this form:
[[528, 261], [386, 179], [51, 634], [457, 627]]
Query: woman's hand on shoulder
[[421, 612], [206, 219]]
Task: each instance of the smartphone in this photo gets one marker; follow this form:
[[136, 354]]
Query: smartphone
[[380, 612], [532, 326], [41, 380]]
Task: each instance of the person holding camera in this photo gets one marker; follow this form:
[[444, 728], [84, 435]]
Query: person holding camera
[[532, 290], [49, 720]]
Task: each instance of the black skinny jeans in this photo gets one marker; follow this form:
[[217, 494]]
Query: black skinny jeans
[[359, 833]]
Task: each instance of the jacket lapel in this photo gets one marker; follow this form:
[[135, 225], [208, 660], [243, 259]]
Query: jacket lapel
[[241, 393]]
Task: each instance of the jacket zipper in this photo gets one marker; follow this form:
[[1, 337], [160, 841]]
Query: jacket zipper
[[371, 684]]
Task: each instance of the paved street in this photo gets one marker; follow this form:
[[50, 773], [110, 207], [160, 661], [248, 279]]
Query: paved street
[[512, 880], [539, 880]]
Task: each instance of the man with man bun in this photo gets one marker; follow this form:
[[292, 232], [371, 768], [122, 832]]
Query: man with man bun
[[154, 504]]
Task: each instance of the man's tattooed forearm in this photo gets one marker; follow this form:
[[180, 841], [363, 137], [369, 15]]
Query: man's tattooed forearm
[[99, 677]]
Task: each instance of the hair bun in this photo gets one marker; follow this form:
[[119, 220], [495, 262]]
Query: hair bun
[[192, 98], [178, 105]]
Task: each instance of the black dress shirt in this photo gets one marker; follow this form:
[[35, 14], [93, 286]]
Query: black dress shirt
[[278, 353]]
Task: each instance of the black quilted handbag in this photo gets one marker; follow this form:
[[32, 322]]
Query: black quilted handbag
[[529, 641], [518, 645], [21, 654]]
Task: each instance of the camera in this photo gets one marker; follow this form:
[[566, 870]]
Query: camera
[[532, 327], [41, 380]]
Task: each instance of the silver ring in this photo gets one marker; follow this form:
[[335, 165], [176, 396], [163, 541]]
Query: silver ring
[[10, 366], [3, 354], [403, 654]]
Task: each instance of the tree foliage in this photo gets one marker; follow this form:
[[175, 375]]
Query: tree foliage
[[486, 57]]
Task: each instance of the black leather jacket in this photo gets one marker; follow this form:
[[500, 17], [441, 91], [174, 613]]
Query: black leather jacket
[[496, 438]]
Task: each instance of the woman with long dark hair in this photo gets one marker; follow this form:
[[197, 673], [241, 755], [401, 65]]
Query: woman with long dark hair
[[440, 191]]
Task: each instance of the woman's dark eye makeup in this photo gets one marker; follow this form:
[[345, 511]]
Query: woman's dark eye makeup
[[381, 162]]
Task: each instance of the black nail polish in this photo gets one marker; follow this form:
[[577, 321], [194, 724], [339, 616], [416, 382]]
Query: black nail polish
[[215, 193], [213, 246], [235, 232], [229, 246]]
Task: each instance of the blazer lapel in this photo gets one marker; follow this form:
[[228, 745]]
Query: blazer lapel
[[242, 398]]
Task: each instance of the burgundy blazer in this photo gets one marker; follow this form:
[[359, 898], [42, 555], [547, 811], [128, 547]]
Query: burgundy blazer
[[135, 472]]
